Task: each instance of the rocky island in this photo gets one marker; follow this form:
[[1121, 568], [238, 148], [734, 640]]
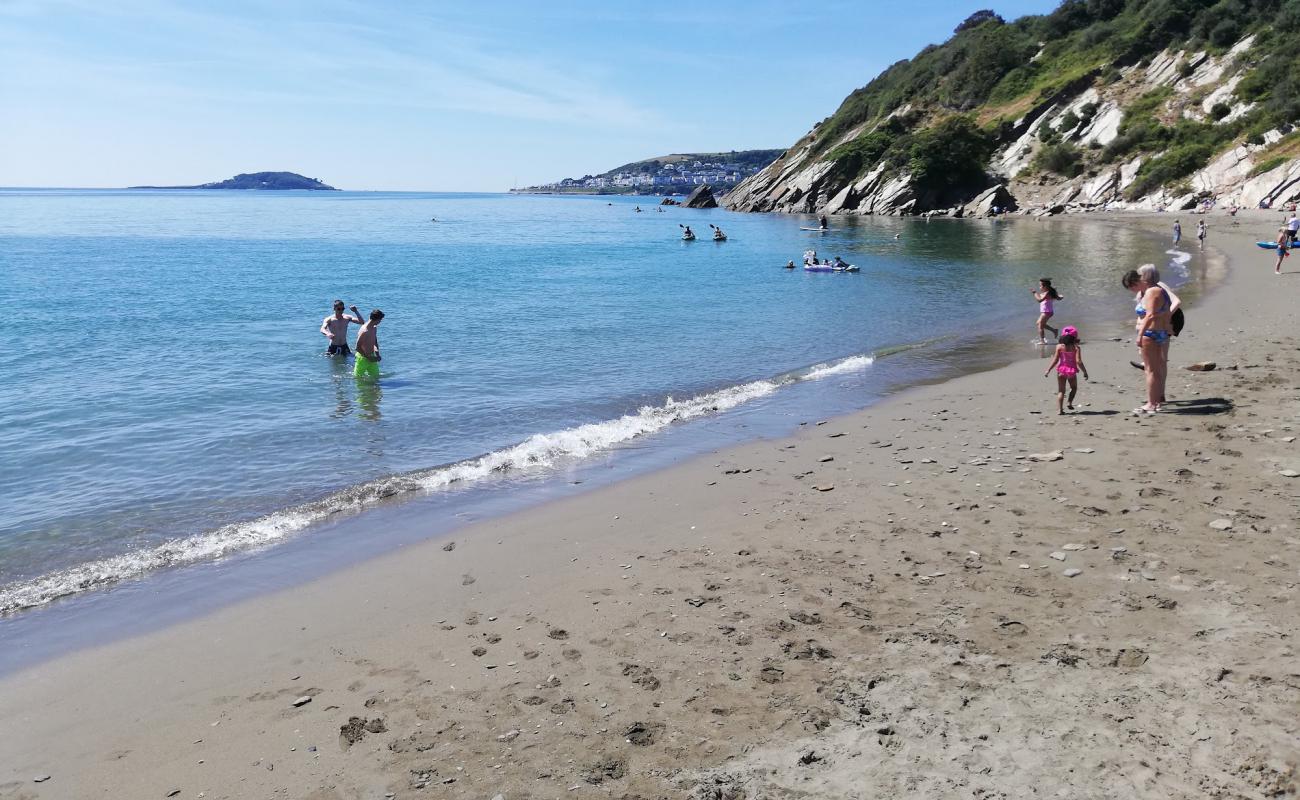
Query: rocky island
[[275, 181]]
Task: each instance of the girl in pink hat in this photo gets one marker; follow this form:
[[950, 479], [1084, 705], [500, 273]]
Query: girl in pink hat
[[1068, 362]]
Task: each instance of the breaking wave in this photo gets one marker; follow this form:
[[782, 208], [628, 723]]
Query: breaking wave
[[537, 452]]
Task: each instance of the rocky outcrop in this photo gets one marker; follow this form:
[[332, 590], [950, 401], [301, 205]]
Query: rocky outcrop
[[702, 197], [1086, 113]]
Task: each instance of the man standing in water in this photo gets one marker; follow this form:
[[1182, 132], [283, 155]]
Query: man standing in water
[[1178, 232], [368, 357], [335, 328]]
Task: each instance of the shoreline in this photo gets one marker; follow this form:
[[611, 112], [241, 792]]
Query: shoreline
[[853, 579], [279, 527]]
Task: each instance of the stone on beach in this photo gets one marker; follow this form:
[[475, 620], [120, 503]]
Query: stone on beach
[[1221, 524], [1055, 455], [1202, 366]]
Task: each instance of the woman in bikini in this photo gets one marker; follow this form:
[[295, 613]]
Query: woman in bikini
[[1153, 309]]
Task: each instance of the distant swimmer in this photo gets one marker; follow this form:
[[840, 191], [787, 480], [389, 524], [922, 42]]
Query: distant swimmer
[[368, 357], [433, 219], [898, 236], [638, 209], [335, 328]]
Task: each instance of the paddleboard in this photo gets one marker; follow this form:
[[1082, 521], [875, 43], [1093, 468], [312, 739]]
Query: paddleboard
[[818, 230]]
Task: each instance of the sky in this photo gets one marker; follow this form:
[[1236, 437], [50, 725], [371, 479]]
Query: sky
[[428, 96]]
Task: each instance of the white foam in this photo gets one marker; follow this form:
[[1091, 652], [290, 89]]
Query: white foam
[[536, 452], [842, 367]]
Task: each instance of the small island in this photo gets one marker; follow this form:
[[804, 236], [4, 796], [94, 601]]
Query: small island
[[274, 181]]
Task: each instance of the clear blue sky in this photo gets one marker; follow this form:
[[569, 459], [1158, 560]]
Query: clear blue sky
[[427, 96]]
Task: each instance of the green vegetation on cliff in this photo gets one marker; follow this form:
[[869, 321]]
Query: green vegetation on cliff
[[942, 113]]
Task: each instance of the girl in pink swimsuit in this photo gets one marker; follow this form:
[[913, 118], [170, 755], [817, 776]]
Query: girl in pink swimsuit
[[1068, 362], [1046, 296]]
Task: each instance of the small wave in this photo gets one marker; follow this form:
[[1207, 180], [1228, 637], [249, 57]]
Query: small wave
[[536, 452], [850, 364]]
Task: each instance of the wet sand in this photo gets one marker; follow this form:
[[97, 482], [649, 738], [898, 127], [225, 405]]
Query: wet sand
[[955, 593]]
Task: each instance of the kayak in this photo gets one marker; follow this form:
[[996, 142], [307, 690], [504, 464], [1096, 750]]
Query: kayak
[[1267, 245], [828, 268], [718, 238], [690, 238]]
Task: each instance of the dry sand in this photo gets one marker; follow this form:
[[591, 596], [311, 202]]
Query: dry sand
[[877, 607]]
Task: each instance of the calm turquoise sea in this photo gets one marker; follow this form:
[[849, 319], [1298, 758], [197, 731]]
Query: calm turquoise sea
[[167, 400]]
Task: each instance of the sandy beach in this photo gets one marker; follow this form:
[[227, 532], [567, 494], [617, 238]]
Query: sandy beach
[[954, 593]]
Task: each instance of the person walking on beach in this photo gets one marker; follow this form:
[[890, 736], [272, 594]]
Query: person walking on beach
[[1178, 232], [1200, 233], [1292, 228], [1068, 362], [1283, 248], [368, 357], [1154, 309], [1046, 296], [335, 328]]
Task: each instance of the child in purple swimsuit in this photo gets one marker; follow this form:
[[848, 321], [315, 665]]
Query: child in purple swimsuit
[[1068, 362], [1046, 295]]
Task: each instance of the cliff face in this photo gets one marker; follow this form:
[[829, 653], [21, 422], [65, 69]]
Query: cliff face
[[1091, 115]]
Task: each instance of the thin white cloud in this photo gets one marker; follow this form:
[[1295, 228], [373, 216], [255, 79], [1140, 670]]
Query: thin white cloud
[[180, 56]]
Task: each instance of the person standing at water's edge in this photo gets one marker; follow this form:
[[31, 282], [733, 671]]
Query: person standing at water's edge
[[368, 348], [1046, 295], [1178, 232], [1200, 233], [1283, 248], [335, 328]]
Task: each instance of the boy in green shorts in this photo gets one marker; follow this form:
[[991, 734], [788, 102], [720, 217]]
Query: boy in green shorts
[[367, 365]]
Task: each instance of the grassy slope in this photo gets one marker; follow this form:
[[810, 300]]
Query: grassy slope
[[993, 72]]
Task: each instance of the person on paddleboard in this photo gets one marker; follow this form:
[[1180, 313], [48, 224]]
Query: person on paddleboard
[[823, 222], [335, 328]]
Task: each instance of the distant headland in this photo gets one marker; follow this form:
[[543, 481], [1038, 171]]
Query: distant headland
[[678, 173], [280, 181]]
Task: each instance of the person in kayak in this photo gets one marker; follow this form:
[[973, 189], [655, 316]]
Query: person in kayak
[[687, 232]]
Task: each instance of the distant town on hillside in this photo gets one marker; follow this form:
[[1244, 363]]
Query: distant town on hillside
[[678, 173]]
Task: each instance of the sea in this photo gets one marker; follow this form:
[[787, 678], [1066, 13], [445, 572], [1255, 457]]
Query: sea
[[168, 403]]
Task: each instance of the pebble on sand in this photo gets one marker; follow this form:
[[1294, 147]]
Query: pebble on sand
[[1055, 455], [1221, 524], [1071, 572], [40, 779], [1289, 473], [301, 701]]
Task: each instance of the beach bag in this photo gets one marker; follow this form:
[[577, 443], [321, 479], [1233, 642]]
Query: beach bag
[[1176, 321]]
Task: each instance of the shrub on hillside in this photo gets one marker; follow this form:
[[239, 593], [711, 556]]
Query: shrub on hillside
[[949, 155], [1062, 158], [1176, 162]]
